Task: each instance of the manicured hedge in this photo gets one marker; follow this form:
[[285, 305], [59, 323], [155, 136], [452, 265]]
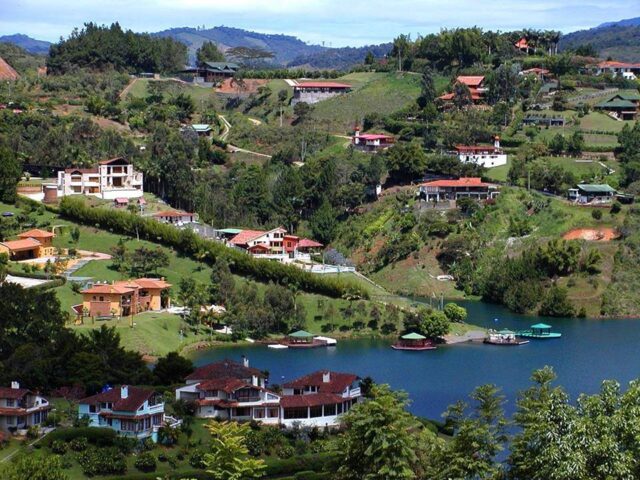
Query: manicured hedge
[[97, 436], [304, 463], [188, 243]]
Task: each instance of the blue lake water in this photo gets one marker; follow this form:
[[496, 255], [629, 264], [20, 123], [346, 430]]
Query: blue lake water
[[588, 352]]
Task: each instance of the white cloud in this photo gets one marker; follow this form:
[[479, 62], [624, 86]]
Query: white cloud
[[339, 22]]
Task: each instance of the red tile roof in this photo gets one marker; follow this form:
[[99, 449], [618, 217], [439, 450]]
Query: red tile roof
[[259, 247], [24, 244], [471, 81], [81, 170], [135, 398], [333, 85], [15, 393], [224, 369], [311, 400], [245, 236], [461, 182], [112, 160], [336, 384], [615, 64], [151, 283], [108, 289], [522, 43], [227, 385], [536, 70], [172, 213], [307, 243], [374, 136], [36, 233], [7, 72], [476, 148]]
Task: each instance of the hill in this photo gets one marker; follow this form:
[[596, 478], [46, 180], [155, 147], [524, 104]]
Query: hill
[[340, 58], [619, 40], [31, 45]]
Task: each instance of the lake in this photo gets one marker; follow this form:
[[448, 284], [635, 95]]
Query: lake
[[588, 352]]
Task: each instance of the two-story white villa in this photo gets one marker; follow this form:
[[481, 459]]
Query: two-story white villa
[[485, 155], [319, 399], [21, 408], [111, 179], [275, 244], [130, 411]]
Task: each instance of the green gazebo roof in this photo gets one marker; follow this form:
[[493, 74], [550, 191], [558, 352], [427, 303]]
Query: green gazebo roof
[[596, 188], [413, 336], [301, 334], [231, 231], [540, 326], [617, 103]]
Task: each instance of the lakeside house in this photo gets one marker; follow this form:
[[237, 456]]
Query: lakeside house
[[592, 194], [31, 245], [485, 155], [110, 179], [465, 187], [628, 71], [276, 244], [476, 87], [623, 105], [124, 298], [21, 408], [211, 72], [371, 142], [235, 391], [175, 217], [130, 411], [314, 92]]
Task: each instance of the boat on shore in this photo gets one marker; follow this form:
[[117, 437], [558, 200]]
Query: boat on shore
[[539, 331], [413, 342], [505, 338]]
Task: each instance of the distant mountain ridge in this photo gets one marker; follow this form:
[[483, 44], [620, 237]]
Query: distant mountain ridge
[[618, 40], [31, 45]]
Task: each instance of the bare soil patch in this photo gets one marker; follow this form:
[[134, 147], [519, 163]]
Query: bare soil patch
[[250, 86], [605, 234]]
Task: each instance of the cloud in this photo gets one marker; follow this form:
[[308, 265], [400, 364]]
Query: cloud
[[336, 22]]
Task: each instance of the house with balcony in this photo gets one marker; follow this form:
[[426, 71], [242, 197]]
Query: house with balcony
[[276, 244], [30, 245], [319, 399], [130, 411], [487, 156], [124, 298], [21, 408], [110, 179], [592, 194], [465, 187]]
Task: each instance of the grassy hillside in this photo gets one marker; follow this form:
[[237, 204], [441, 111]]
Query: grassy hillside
[[382, 93]]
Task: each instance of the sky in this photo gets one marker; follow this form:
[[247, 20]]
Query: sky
[[335, 22]]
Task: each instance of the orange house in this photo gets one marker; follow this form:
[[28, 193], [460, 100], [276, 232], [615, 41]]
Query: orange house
[[32, 244], [124, 298]]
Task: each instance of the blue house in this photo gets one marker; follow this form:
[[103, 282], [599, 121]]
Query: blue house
[[130, 411]]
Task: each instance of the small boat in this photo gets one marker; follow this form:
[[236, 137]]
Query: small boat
[[331, 342], [505, 338], [277, 346], [413, 342], [539, 331]]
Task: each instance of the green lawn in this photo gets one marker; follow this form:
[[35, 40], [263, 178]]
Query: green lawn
[[200, 95], [383, 94]]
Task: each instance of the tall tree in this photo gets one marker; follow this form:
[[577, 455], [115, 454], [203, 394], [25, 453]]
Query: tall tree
[[10, 173], [209, 52], [228, 458]]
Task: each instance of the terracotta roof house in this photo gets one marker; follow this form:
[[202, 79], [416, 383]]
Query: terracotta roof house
[[21, 408], [476, 88], [125, 298], [228, 369], [7, 73], [371, 142], [629, 71], [274, 244], [32, 244], [487, 156], [454, 189], [130, 411]]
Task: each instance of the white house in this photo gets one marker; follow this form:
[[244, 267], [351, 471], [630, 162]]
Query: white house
[[371, 142], [275, 244], [21, 408], [628, 71], [111, 179], [486, 155], [175, 217]]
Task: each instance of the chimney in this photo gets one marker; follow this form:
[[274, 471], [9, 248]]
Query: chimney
[[124, 392], [15, 385], [357, 132], [496, 142], [326, 377], [245, 361]]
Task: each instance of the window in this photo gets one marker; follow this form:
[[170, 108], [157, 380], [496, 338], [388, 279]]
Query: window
[[101, 298], [273, 412], [147, 423], [330, 410], [94, 298], [11, 420], [316, 411], [258, 413], [243, 412], [92, 409], [128, 426], [211, 393], [293, 413], [246, 395], [11, 402], [157, 419]]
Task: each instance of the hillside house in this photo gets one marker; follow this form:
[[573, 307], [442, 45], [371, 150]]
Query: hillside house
[[371, 142], [542, 120], [319, 399], [541, 74], [175, 217], [234, 391], [523, 45], [314, 92], [444, 190], [202, 129], [592, 194], [476, 87], [628, 71], [21, 408], [275, 244], [623, 105], [211, 72], [130, 411], [111, 179], [31, 245], [485, 155], [124, 298]]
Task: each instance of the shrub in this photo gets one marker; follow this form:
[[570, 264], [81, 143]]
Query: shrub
[[102, 461], [615, 208], [79, 444], [146, 462], [302, 463], [596, 214], [59, 447], [196, 460], [95, 436], [285, 451]]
